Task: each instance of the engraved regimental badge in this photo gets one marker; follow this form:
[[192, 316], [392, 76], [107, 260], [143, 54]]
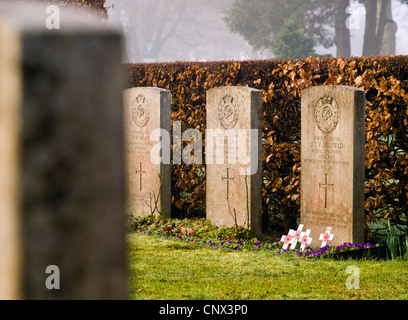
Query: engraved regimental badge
[[228, 113], [140, 112], [326, 114]]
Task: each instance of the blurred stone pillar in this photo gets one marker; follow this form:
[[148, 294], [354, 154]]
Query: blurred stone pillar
[[61, 162]]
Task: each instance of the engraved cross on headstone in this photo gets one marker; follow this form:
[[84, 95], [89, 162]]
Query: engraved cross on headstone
[[140, 172], [325, 185], [228, 179]]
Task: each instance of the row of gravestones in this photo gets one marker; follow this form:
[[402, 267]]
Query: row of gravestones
[[233, 154], [63, 182], [332, 156]]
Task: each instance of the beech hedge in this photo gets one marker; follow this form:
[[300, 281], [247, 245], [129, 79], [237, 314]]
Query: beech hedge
[[385, 80]]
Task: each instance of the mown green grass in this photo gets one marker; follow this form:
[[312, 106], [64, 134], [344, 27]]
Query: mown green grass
[[173, 270]]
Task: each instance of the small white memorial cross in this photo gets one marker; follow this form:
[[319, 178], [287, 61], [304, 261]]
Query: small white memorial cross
[[287, 239], [305, 239], [296, 236], [326, 237]]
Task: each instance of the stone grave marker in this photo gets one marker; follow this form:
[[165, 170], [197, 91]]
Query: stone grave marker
[[233, 157], [332, 158], [62, 230], [147, 110]]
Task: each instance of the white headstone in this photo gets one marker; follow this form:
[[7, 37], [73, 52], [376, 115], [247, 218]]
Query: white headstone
[[332, 157], [234, 157], [147, 116]]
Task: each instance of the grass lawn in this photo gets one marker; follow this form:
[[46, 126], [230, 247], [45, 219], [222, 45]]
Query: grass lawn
[[174, 270]]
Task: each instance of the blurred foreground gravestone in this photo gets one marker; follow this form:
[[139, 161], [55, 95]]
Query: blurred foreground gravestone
[[61, 161]]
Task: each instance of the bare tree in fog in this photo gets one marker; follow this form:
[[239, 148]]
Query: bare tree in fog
[[162, 30], [380, 28], [341, 31], [148, 25]]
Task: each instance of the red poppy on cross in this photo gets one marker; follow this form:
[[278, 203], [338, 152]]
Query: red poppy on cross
[[287, 239], [296, 236], [305, 239], [325, 237]]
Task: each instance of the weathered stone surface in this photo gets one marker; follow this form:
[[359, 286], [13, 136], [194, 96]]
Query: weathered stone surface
[[10, 104], [332, 157], [148, 182], [62, 173], [233, 175]]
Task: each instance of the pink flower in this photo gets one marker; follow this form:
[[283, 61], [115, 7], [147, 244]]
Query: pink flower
[[287, 239]]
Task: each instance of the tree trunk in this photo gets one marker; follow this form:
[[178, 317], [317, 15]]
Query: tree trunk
[[342, 33], [382, 21], [370, 33], [388, 46], [380, 30]]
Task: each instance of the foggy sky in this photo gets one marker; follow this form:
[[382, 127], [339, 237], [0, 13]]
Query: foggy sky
[[213, 41]]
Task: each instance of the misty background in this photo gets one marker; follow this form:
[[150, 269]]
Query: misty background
[[196, 30]]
